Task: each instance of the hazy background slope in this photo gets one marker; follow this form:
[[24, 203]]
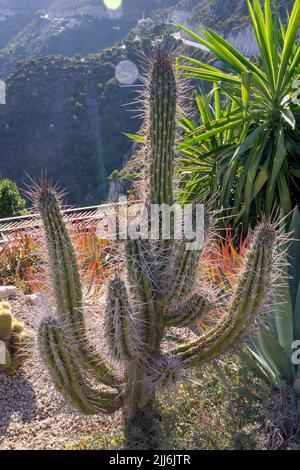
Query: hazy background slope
[[65, 110]]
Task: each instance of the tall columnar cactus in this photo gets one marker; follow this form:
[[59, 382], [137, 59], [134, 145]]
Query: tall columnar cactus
[[158, 290], [15, 341]]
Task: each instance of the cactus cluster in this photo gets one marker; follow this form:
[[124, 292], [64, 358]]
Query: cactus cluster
[[15, 341], [158, 289]]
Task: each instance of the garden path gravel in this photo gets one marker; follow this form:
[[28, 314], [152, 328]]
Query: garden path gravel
[[32, 414]]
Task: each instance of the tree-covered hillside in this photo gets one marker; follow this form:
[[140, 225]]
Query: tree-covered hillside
[[66, 116], [225, 15], [65, 109], [71, 27], [15, 15]]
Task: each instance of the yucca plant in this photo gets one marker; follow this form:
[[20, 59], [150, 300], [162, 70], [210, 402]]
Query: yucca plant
[[158, 289], [198, 163], [261, 168], [270, 354]]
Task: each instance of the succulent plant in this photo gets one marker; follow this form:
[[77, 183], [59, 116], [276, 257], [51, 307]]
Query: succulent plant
[[15, 341], [158, 289]]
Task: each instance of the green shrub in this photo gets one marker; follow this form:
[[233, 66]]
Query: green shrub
[[11, 201]]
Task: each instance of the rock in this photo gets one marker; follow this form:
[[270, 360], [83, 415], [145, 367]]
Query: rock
[[7, 292], [32, 299]]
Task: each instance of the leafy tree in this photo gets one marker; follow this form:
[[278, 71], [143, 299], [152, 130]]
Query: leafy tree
[[11, 201]]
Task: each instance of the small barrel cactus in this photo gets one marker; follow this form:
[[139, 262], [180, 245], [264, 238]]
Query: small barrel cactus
[[159, 289], [15, 341]]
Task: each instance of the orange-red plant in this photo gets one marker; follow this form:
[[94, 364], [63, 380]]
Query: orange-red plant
[[226, 257], [20, 262], [94, 255]]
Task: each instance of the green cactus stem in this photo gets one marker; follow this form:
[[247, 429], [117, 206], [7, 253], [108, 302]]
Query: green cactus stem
[[245, 305], [63, 365], [119, 322], [162, 101], [191, 310], [67, 286]]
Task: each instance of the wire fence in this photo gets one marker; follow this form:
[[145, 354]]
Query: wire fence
[[13, 227]]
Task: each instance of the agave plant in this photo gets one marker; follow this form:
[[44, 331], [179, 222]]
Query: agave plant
[[259, 166], [274, 353]]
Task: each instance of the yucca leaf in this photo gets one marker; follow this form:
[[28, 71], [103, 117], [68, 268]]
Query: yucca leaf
[[259, 183], [246, 83], [189, 124], [137, 138], [289, 42], [252, 170], [277, 162], [218, 109], [210, 133], [284, 193], [264, 44], [208, 75], [289, 117], [240, 62]]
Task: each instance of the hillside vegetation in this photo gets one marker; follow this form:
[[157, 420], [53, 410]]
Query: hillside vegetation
[[65, 109], [65, 116]]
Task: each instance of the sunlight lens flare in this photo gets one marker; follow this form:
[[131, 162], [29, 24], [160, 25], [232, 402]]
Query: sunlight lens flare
[[113, 4], [2, 92], [126, 72]]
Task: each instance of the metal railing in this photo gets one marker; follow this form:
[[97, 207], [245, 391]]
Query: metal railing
[[12, 226]]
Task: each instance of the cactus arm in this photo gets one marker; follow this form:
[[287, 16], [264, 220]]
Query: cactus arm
[[136, 397], [141, 280], [186, 265], [63, 262], [162, 98], [67, 285], [190, 311], [66, 374], [119, 325], [244, 308]]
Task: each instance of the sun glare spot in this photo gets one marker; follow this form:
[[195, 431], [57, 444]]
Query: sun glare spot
[[126, 72], [113, 4], [2, 92]]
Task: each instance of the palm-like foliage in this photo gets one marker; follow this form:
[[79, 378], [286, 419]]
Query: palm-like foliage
[[256, 164]]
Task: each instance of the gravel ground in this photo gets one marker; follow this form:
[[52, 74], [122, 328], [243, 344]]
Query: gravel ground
[[32, 414]]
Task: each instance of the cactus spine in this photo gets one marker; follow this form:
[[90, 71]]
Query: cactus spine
[[15, 342], [159, 289]]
